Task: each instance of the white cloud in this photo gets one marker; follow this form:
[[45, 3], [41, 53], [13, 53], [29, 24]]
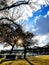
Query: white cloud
[[33, 30], [24, 11], [7, 48], [37, 17], [26, 28], [48, 13], [43, 39], [45, 16], [41, 1]]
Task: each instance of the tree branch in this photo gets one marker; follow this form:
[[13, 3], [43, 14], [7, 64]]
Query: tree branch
[[6, 19], [15, 5], [7, 25], [10, 21]]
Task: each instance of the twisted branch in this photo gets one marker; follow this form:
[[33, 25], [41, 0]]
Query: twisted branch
[[15, 5]]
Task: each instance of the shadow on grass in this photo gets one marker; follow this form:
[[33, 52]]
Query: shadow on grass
[[12, 58], [7, 58], [29, 61], [5, 61]]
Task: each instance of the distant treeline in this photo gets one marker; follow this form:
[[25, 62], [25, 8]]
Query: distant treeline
[[30, 51]]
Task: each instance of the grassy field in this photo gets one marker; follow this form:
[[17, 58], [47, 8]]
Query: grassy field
[[36, 60]]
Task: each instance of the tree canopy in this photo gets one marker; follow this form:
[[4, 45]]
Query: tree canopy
[[13, 13]]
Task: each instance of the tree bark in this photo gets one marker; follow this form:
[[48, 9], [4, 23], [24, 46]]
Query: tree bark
[[13, 46], [25, 53]]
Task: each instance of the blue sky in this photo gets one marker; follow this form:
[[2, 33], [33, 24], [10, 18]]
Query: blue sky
[[42, 23], [39, 24]]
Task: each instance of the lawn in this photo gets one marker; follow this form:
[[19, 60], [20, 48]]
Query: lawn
[[36, 60]]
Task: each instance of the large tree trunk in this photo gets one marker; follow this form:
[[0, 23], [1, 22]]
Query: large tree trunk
[[13, 46], [25, 53]]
